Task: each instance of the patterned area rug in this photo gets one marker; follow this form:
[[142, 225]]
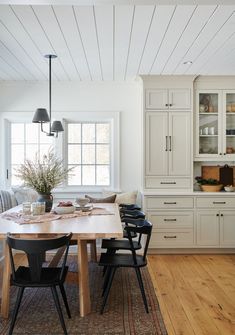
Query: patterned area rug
[[124, 312]]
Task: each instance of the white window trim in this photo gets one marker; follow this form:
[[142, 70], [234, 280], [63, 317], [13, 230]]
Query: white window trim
[[114, 119], [61, 144]]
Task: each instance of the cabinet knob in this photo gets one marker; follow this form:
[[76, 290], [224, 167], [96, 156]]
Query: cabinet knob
[[217, 214], [220, 153], [224, 153], [170, 105], [166, 105], [222, 214]]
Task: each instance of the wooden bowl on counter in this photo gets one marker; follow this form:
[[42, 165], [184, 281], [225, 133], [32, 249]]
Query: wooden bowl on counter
[[211, 188]]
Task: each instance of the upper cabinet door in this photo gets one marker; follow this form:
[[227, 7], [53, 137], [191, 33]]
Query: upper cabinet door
[[165, 99], [179, 144], [179, 99], [156, 144], [156, 99]]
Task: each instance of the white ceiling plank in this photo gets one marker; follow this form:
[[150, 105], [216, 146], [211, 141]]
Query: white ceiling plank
[[161, 19], [122, 33], [210, 30], [66, 17], [141, 26], [28, 18], [48, 20], [86, 24], [222, 56], [217, 42], [11, 58], [196, 24], [104, 24], [115, 2], [179, 23], [12, 73], [16, 38]]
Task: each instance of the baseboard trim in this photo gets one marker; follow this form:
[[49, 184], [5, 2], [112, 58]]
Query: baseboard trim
[[190, 251]]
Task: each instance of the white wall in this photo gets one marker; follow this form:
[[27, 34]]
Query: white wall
[[125, 97]]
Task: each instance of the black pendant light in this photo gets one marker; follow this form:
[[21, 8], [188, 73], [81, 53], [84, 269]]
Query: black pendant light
[[41, 115]]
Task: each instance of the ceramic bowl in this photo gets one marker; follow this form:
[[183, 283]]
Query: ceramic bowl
[[64, 210], [82, 202], [229, 188]]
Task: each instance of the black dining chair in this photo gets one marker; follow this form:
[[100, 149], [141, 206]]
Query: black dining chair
[[129, 206], [118, 260], [36, 274]]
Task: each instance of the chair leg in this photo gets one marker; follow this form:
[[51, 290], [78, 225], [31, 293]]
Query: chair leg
[[63, 293], [16, 309], [106, 293], [109, 252], [139, 277], [58, 307], [106, 278]]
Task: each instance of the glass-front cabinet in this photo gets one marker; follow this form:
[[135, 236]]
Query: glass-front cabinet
[[215, 125]]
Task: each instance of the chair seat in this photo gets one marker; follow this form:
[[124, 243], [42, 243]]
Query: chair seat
[[49, 276], [121, 260], [119, 244]]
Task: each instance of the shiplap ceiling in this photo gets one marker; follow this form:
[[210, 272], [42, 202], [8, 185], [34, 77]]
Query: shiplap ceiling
[[115, 42]]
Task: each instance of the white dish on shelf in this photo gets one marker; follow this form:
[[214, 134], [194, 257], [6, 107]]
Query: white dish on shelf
[[64, 209], [229, 188]]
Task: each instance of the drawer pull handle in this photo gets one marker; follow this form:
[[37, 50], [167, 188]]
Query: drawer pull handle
[[219, 202], [173, 236], [170, 219], [170, 203], [168, 182]]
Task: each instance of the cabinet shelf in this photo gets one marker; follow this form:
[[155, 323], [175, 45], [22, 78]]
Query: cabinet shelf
[[208, 113], [210, 135]]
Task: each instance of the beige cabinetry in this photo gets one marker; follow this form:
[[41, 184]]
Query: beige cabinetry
[[215, 228], [215, 125], [165, 99], [167, 116], [189, 221], [173, 223], [167, 149]]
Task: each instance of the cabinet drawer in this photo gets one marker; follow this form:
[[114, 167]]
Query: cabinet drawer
[[169, 202], [215, 202], [171, 219], [166, 183], [171, 239]]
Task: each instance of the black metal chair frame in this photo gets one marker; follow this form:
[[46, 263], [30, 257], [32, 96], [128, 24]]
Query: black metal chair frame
[[114, 261], [36, 275]]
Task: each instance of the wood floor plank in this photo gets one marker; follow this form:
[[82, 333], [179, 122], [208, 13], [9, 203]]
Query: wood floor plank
[[201, 286], [166, 288]]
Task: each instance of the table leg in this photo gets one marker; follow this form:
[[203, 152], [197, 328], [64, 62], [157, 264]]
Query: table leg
[[83, 275], [6, 283]]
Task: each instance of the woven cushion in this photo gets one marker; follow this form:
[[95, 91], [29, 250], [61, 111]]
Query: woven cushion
[[110, 199], [123, 198], [5, 201]]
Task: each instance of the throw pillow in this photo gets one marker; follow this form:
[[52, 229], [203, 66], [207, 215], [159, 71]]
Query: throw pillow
[[23, 194], [123, 198], [110, 199]]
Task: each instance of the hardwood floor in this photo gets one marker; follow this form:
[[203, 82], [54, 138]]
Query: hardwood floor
[[196, 293]]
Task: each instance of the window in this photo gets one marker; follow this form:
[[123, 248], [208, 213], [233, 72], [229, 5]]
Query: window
[[26, 140], [89, 153]]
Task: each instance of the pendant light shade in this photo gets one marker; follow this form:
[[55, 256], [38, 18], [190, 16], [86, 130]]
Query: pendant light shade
[[41, 115]]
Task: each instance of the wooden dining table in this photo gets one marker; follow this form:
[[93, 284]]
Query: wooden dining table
[[84, 228]]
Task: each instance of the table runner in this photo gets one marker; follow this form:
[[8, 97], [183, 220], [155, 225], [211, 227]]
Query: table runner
[[21, 218]]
